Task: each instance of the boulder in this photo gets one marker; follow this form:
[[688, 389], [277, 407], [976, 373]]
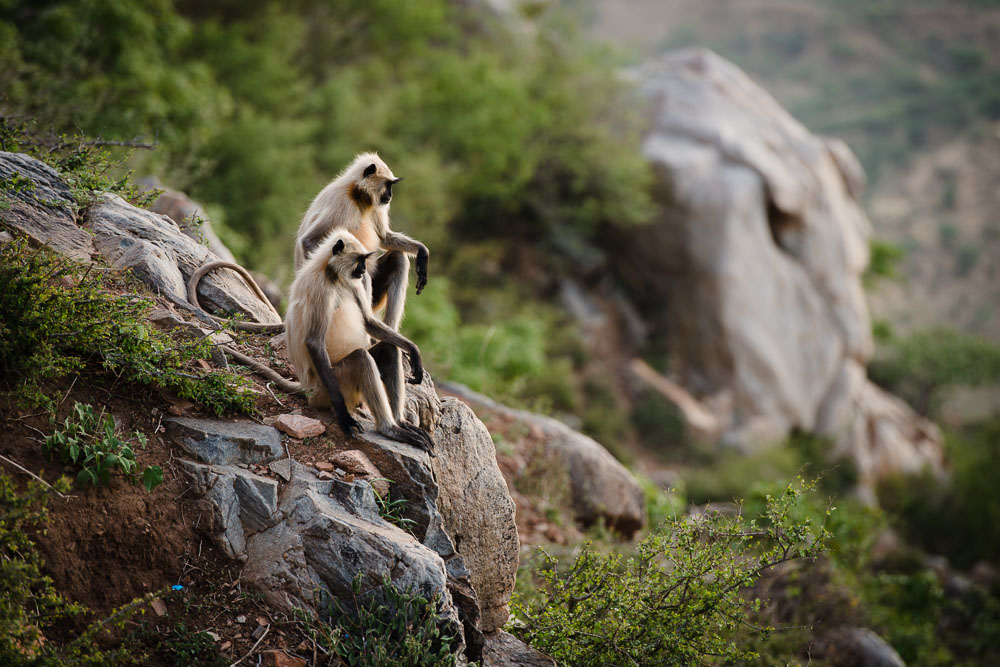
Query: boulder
[[224, 443], [858, 647], [505, 650], [600, 486], [42, 206], [162, 256], [477, 508], [764, 242]]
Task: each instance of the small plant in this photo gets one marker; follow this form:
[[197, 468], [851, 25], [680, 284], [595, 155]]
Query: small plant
[[679, 600], [91, 443], [393, 510], [391, 628]]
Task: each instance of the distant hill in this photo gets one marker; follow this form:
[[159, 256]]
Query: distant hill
[[913, 87]]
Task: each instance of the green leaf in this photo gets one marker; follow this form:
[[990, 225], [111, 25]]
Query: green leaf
[[152, 477]]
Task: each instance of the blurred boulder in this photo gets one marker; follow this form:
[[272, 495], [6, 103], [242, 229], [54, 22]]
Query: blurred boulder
[[600, 487], [758, 253]]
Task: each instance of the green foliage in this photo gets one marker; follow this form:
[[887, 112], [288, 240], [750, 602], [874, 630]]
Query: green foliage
[[84, 165], [90, 442], [55, 319], [390, 627], [920, 367], [679, 600], [885, 258], [946, 517], [393, 510], [182, 646], [273, 100], [517, 358], [659, 423]]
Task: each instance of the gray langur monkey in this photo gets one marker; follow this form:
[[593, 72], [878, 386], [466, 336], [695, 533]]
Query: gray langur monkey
[[357, 201], [330, 326]]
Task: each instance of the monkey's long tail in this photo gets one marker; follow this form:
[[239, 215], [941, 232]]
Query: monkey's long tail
[[283, 383], [251, 283]]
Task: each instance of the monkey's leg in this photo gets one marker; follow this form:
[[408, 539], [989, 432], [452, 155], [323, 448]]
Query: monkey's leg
[[358, 369], [389, 280], [321, 362]]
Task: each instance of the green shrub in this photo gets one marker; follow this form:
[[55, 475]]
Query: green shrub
[[390, 627], [90, 442], [679, 600], [56, 319]]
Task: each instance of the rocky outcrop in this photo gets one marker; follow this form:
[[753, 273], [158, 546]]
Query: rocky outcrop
[[305, 534], [309, 535], [42, 206], [754, 268], [160, 254], [151, 245], [600, 486]]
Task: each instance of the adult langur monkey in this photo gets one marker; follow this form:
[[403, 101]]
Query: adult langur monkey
[[357, 201], [329, 326]]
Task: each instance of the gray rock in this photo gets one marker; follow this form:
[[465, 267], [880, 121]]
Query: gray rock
[[764, 242], [600, 486], [477, 508], [258, 498], [43, 212], [505, 650], [221, 503], [224, 443], [859, 647], [161, 255]]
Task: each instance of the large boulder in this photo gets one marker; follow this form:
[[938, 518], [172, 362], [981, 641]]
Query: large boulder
[[754, 268], [600, 487]]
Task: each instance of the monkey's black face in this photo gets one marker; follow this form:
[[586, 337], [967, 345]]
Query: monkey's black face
[[360, 267], [386, 196]]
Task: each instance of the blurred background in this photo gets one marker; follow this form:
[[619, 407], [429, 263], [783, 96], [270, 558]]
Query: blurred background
[[731, 240]]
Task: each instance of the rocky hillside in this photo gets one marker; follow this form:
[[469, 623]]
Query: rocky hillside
[[302, 516]]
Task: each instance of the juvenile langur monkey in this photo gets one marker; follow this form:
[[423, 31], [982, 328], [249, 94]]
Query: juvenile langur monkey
[[357, 201], [330, 327]]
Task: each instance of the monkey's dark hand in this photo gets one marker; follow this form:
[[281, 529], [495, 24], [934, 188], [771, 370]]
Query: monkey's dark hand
[[416, 372], [349, 425], [422, 256], [418, 437]]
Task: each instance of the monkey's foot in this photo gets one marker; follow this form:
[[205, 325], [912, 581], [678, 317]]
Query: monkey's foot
[[411, 435]]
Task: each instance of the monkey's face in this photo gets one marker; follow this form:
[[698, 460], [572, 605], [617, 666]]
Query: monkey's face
[[377, 181], [348, 259]]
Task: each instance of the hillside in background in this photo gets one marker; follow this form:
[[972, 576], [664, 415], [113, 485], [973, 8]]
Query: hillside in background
[[912, 87]]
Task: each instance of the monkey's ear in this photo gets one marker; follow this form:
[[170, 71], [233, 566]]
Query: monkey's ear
[[338, 247], [369, 170]]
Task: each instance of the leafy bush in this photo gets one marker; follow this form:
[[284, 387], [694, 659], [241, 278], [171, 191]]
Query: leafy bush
[[55, 319], [391, 627], [90, 443], [677, 601]]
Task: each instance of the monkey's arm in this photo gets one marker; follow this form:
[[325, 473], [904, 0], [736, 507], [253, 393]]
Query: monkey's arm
[[321, 362], [384, 334], [315, 236], [403, 243]]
